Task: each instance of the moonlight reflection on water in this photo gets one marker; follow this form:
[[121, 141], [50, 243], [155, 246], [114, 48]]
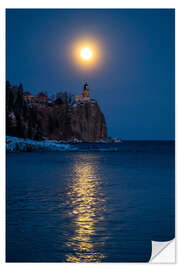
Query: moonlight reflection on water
[[87, 201], [90, 207]]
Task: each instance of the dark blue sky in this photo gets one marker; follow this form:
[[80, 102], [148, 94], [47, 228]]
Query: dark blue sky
[[134, 84]]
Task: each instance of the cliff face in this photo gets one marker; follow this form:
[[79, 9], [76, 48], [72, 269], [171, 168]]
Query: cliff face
[[87, 121], [53, 121]]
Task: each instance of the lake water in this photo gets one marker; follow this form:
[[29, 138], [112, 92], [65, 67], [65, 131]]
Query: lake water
[[91, 205]]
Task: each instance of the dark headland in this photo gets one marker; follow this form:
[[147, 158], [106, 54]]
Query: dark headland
[[64, 117]]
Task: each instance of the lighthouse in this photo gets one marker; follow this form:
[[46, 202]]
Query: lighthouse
[[85, 91], [85, 96]]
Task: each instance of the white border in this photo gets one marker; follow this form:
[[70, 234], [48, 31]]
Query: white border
[[75, 4], [90, 4]]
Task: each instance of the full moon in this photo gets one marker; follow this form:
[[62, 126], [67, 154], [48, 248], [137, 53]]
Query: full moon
[[86, 53]]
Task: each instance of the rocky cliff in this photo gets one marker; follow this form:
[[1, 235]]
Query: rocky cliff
[[38, 119]]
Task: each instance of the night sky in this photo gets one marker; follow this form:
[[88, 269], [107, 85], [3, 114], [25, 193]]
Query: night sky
[[133, 84]]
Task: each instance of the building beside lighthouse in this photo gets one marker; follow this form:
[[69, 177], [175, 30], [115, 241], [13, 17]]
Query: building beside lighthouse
[[85, 94]]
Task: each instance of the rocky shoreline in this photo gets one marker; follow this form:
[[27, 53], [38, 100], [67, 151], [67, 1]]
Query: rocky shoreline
[[14, 145]]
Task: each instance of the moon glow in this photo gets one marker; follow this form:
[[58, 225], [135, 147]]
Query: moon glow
[[86, 53]]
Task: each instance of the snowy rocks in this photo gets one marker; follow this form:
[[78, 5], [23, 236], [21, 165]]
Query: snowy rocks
[[14, 144]]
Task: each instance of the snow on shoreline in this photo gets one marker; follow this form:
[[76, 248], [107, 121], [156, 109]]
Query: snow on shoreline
[[14, 144]]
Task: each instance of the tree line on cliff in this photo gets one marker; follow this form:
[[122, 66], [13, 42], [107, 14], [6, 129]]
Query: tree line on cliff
[[55, 118]]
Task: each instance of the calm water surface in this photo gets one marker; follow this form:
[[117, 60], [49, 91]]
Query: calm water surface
[[90, 206]]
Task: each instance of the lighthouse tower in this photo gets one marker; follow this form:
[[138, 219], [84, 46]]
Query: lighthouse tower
[[85, 94], [85, 91]]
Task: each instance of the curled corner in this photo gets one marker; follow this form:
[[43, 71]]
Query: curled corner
[[163, 252]]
